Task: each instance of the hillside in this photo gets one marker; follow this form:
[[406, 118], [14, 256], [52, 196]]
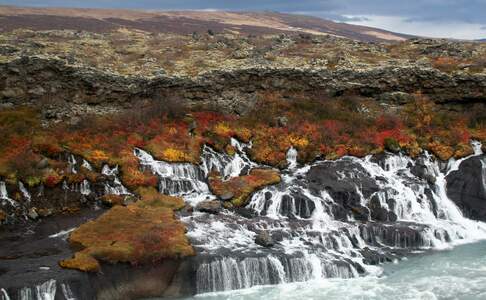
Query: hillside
[[183, 22]]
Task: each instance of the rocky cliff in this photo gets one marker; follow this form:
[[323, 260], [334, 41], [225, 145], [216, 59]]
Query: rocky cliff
[[63, 90]]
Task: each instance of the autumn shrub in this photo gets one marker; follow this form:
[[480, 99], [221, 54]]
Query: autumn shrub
[[52, 178], [446, 64]]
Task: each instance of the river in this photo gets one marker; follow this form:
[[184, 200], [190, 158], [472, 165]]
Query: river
[[458, 273]]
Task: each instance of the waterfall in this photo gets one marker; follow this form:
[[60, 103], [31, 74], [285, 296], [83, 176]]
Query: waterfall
[[338, 218], [44, 291], [317, 234], [4, 295], [87, 165], [67, 292], [4, 195], [177, 179], [24, 191], [227, 165], [292, 158], [72, 164], [115, 187]]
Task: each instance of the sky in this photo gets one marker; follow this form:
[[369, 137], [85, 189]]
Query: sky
[[461, 19]]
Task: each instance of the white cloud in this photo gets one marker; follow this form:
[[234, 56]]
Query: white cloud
[[455, 29]]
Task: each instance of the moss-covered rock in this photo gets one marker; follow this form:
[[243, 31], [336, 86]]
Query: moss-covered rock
[[81, 261], [139, 233], [243, 186]]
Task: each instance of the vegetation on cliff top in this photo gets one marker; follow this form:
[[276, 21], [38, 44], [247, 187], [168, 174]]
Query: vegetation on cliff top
[[327, 128], [133, 52]]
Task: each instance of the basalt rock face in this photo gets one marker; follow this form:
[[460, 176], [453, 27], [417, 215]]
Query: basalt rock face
[[64, 90], [467, 188]]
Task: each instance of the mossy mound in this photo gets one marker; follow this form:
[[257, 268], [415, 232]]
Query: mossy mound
[[152, 198], [139, 233], [240, 188]]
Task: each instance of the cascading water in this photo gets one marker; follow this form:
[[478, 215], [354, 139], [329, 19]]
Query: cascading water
[[24, 191], [329, 219], [115, 187], [4, 195]]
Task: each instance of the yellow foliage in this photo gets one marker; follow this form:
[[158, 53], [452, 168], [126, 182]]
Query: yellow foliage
[[174, 155], [222, 129], [98, 156], [298, 142]]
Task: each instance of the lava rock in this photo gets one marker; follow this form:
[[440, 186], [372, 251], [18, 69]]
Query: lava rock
[[211, 206], [466, 188], [264, 239], [246, 212]]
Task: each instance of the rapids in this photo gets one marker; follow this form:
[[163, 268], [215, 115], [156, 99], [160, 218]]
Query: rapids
[[335, 226]]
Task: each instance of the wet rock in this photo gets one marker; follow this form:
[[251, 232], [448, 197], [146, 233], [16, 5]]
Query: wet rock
[[33, 213], [264, 239], [246, 212], [212, 206], [466, 188], [340, 180], [372, 257], [226, 196], [421, 170], [45, 212], [43, 163], [361, 213]]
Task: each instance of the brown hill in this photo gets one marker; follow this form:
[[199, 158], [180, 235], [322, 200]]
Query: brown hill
[[182, 22]]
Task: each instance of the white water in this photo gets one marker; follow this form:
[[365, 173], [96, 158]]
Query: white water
[[452, 274], [115, 187], [327, 246], [24, 191], [318, 241], [4, 195]]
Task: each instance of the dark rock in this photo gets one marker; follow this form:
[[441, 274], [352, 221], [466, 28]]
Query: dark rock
[[227, 196], [33, 213], [467, 189], [421, 170], [43, 163], [212, 206], [361, 213], [246, 212], [372, 257], [264, 239]]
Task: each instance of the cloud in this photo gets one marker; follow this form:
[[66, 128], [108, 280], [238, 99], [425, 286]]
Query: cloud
[[426, 28], [413, 14]]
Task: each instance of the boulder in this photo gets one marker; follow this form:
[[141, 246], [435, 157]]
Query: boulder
[[264, 239], [211, 206], [466, 188]]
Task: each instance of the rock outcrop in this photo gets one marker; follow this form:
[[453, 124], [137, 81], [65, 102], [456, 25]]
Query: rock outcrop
[[64, 91], [466, 187]]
